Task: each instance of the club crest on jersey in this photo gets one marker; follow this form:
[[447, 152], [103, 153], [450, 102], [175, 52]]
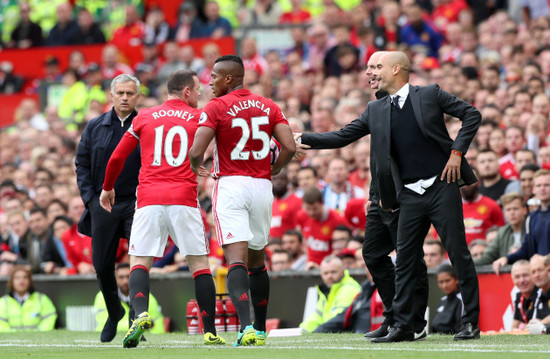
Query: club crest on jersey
[[243, 105], [203, 118]]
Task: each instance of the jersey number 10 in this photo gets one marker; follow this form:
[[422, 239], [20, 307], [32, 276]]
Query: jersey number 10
[[168, 143]]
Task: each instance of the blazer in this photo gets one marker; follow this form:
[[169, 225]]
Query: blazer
[[91, 162], [429, 103]]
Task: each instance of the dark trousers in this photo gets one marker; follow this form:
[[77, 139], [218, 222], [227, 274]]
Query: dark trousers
[[107, 230], [380, 240], [441, 205]]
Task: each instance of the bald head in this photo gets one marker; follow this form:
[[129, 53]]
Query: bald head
[[392, 71]]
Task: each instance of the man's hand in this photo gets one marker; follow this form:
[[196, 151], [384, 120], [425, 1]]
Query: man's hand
[[501, 262], [300, 148], [367, 206], [451, 172], [202, 172], [107, 200], [85, 268]]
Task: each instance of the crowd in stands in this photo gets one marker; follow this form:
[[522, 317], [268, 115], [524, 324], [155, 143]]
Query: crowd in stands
[[495, 55]]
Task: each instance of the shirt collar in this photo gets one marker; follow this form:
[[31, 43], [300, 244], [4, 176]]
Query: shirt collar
[[403, 93]]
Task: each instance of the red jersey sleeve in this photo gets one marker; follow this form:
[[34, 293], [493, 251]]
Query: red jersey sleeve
[[128, 143], [209, 115]]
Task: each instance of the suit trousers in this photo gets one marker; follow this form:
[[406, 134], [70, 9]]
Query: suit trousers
[[380, 240], [441, 205], [107, 230]]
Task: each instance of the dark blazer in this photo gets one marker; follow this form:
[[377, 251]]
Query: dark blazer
[[91, 162], [429, 103]]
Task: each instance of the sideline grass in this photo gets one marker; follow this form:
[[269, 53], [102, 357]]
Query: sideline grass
[[65, 344]]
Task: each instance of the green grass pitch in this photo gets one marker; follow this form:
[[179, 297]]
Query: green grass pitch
[[83, 345]]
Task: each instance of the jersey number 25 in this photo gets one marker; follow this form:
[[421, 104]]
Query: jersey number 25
[[257, 134]]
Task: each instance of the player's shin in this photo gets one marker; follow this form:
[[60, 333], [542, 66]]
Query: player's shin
[[206, 298], [238, 285], [139, 288], [259, 291]]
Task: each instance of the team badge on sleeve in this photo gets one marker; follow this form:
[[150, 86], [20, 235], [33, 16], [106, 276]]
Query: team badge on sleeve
[[203, 118]]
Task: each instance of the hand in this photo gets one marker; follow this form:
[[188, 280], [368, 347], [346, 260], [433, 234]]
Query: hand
[[7, 256], [367, 206], [300, 148], [536, 327], [502, 261], [202, 172], [85, 268], [451, 172], [533, 126], [48, 267], [107, 200]]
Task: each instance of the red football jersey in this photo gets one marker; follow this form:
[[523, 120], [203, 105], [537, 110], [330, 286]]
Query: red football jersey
[[355, 213], [166, 133], [283, 214], [318, 234], [479, 216], [244, 124]]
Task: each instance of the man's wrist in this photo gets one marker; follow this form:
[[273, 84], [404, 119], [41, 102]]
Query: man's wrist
[[456, 152]]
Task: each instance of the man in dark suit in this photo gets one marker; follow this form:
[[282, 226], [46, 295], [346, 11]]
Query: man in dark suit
[[381, 235], [99, 139], [419, 170]]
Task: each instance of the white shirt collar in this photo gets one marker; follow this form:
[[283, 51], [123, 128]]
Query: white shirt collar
[[403, 93]]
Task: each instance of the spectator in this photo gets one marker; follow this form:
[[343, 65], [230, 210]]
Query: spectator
[[215, 26], [339, 190], [537, 237], [510, 235], [524, 184], [55, 208], [348, 258], [122, 275], [280, 260], [296, 15], [264, 13], [341, 236], [52, 71], [48, 258], [24, 308], [111, 66], [28, 114], [210, 52], [285, 206], [252, 60], [87, 32], [191, 62], [292, 243], [307, 178], [188, 26], [492, 183], [477, 248], [317, 223], [133, 31], [335, 293], [361, 176], [540, 275], [173, 63], [524, 302], [332, 63], [480, 212], [446, 320], [65, 29], [496, 142], [484, 132], [157, 29], [513, 142], [9, 82], [73, 104], [419, 34], [27, 33], [78, 246], [320, 44], [434, 253], [387, 29]]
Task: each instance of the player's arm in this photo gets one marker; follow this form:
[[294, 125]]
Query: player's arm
[[203, 137], [128, 143], [283, 134]]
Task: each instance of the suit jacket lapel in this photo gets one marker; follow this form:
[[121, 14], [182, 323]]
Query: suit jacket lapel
[[415, 101]]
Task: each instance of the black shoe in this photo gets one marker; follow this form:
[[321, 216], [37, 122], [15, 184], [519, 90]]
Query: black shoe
[[382, 331], [109, 330], [396, 335], [421, 335], [467, 331]]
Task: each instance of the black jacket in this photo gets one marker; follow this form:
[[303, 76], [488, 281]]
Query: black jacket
[[430, 103], [91, 161]]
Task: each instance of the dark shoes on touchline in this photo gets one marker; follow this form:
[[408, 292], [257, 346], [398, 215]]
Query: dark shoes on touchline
[[396, 334], [382, 331], [467, 331], [109, 330]]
